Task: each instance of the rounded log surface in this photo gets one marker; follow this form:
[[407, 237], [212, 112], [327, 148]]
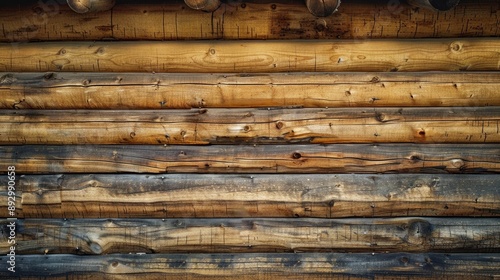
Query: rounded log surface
[[322, 8], [86, 6], [204, 5]]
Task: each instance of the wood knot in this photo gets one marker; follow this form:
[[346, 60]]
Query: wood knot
[[419, 232], [296, 155], [279, 125], [456, 47], [380, 117], [322, 8]]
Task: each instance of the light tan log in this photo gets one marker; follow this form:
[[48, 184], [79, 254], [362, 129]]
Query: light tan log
[[256, 195], [435, 5], [322, 8], [260, 126], [339, 158], [255, 56], [92, 236], [175, 91], [90, 6], [313, 266], [287, 19], [203, 5]]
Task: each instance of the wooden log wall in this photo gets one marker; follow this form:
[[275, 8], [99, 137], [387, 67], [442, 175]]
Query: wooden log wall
[[214, 140]]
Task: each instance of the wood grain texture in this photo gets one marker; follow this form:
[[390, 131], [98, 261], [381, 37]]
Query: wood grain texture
[[257, 195], [314, 266], [462, 54], [258, 126], [105, 236], [134, 91], [26, 20], [338, 158]]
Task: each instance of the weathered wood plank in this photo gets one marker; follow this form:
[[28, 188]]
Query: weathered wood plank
[[172, 20], [255, 56], [175, 91], [100, 236], [276, 126], [339, 158], [258, 266], [212, 196]]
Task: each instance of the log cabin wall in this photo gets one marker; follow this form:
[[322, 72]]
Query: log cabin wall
[[251, 140]]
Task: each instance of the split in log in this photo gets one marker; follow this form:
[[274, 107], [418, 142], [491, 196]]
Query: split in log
[[90, 6], [339, 158], [314, 266], [100, 236], [435, 5], [287, 19], [231, 196], [203, 5], [257, 126], [322, 8], [176, 91], [255, 56]]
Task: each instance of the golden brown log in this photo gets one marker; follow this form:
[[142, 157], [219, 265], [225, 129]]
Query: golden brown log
[[339, 158], [435, 5], [231, 196], [99, 236], [290, 19], [203, 5], [255, 56], [90, 6], [175, 91], [322, 8], [313, 266], [259, 126]]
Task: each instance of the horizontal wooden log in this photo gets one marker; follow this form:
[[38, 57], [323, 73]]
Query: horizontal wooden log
[[175, 91], [99, 236], [277, 126], [216, 196], [26, 20], [255, 56], [339, 158], [258, 266]]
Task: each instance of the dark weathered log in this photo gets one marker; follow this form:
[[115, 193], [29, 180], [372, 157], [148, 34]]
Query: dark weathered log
[[339, 158], [286, 266], [90, 6], [278, 126], [463, 54], [203, 5], [212, 196], [286, 19], [174, 91], [322, 8], [99, 236], [435, 5]]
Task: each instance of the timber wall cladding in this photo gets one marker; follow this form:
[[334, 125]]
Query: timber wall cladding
[[145, 148]]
